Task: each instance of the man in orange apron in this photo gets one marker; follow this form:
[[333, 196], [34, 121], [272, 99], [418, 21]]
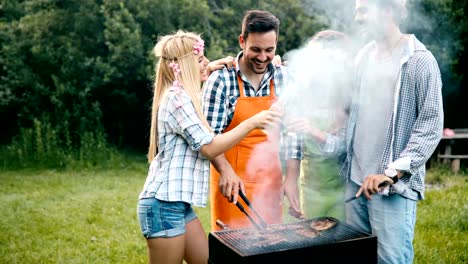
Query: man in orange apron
[[253, 166]]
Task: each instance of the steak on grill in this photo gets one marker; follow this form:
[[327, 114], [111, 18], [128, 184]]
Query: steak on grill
[[322, 224], [268, 240]]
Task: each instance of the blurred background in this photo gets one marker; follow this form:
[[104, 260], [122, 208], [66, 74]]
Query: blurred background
[[76, 76]]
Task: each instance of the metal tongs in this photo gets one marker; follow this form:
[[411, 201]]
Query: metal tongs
[[262, 224], [382, 184]]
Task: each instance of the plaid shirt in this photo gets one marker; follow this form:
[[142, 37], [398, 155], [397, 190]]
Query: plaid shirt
[[416, 122], [221, 92], [179, 172]]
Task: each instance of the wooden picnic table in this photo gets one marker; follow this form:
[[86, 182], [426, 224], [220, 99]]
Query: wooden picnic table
[[446, 155]]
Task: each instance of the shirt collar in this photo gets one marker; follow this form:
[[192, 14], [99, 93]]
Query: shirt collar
[[412, 45]]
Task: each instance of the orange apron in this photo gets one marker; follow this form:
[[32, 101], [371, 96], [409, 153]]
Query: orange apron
[[262, 177]]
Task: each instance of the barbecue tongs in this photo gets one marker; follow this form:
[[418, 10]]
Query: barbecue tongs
[[382, 184], [262, 224]]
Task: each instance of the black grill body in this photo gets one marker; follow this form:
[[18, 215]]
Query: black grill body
[[340, 243]]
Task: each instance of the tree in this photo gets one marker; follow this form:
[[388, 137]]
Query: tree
[[442, 26], [86, 66]]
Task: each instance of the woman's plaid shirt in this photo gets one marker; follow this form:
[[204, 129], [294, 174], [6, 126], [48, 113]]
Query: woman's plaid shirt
[[179, 172]]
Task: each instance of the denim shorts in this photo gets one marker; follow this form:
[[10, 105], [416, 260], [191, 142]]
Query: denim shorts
[[163, 219]]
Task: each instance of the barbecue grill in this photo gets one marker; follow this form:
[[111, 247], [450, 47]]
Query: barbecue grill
[[293, 243]]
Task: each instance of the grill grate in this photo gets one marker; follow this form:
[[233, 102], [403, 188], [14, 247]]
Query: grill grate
[[248, 242]]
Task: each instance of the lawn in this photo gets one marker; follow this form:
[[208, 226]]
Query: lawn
[[88, 216]]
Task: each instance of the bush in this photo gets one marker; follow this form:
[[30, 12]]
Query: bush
[[43, 146]]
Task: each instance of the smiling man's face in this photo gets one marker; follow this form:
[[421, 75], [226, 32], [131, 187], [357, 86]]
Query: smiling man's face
[[259, 50]]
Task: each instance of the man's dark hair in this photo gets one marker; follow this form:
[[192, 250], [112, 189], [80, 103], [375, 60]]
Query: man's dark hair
[[257, 21]]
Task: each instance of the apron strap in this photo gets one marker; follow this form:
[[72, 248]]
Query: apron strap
[[241, 86], [240, 82]]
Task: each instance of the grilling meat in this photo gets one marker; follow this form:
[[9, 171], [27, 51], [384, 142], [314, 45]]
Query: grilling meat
[[309, 232], [274, 235], [267, 240], [323, 224]]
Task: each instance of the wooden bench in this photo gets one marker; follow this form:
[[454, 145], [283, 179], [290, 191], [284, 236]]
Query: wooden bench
[[455, 160], [447, 156]]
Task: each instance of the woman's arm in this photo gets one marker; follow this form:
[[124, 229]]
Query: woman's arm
[[223, 142], [219, 64]]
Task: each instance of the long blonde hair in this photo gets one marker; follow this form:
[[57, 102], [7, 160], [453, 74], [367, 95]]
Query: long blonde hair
[[177, 48]]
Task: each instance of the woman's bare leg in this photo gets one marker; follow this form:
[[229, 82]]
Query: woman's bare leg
[[196, 243], [166, 250]]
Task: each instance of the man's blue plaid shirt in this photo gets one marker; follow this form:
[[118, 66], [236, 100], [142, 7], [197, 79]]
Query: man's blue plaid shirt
[[417, 120], [221, 92]]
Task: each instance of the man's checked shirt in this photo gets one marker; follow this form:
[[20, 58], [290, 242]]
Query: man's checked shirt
[[416, 123], [221, 92]]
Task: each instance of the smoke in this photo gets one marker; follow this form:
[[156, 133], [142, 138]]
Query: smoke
[[314, 79], [319, 80], [337, 14], [320, 77]]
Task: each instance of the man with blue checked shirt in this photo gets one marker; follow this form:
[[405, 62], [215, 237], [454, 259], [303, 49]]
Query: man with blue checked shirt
[[395, 124], [233, 94]]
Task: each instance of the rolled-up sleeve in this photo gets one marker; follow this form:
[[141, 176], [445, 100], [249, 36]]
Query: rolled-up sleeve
[[188, 124], [334, 143], [214, 102], [293, 146]]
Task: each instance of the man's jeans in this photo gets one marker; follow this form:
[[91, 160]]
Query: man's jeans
[[390, 218]]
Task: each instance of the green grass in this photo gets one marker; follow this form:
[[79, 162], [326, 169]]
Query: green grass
[[89, 216], [71, 217], [442, 221]]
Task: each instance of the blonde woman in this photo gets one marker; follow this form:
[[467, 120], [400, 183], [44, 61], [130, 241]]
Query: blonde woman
[[181, 145]]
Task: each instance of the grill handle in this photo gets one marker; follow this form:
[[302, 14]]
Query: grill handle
[[222, 225]]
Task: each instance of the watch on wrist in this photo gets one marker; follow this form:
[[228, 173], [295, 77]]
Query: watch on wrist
[[392, 173]]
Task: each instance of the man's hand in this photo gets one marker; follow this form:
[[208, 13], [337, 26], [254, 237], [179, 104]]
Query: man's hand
[[304, 126], [230, 184], [299, 125], [291, 190], [371, 185]]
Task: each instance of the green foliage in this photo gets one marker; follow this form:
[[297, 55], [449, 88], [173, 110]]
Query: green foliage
[[36, 147], [296, 27], [446, 19], [42, 146], [84, 67], [78, 66], [443, 27]]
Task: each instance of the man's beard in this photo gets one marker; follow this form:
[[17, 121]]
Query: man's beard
[[252, 63]]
